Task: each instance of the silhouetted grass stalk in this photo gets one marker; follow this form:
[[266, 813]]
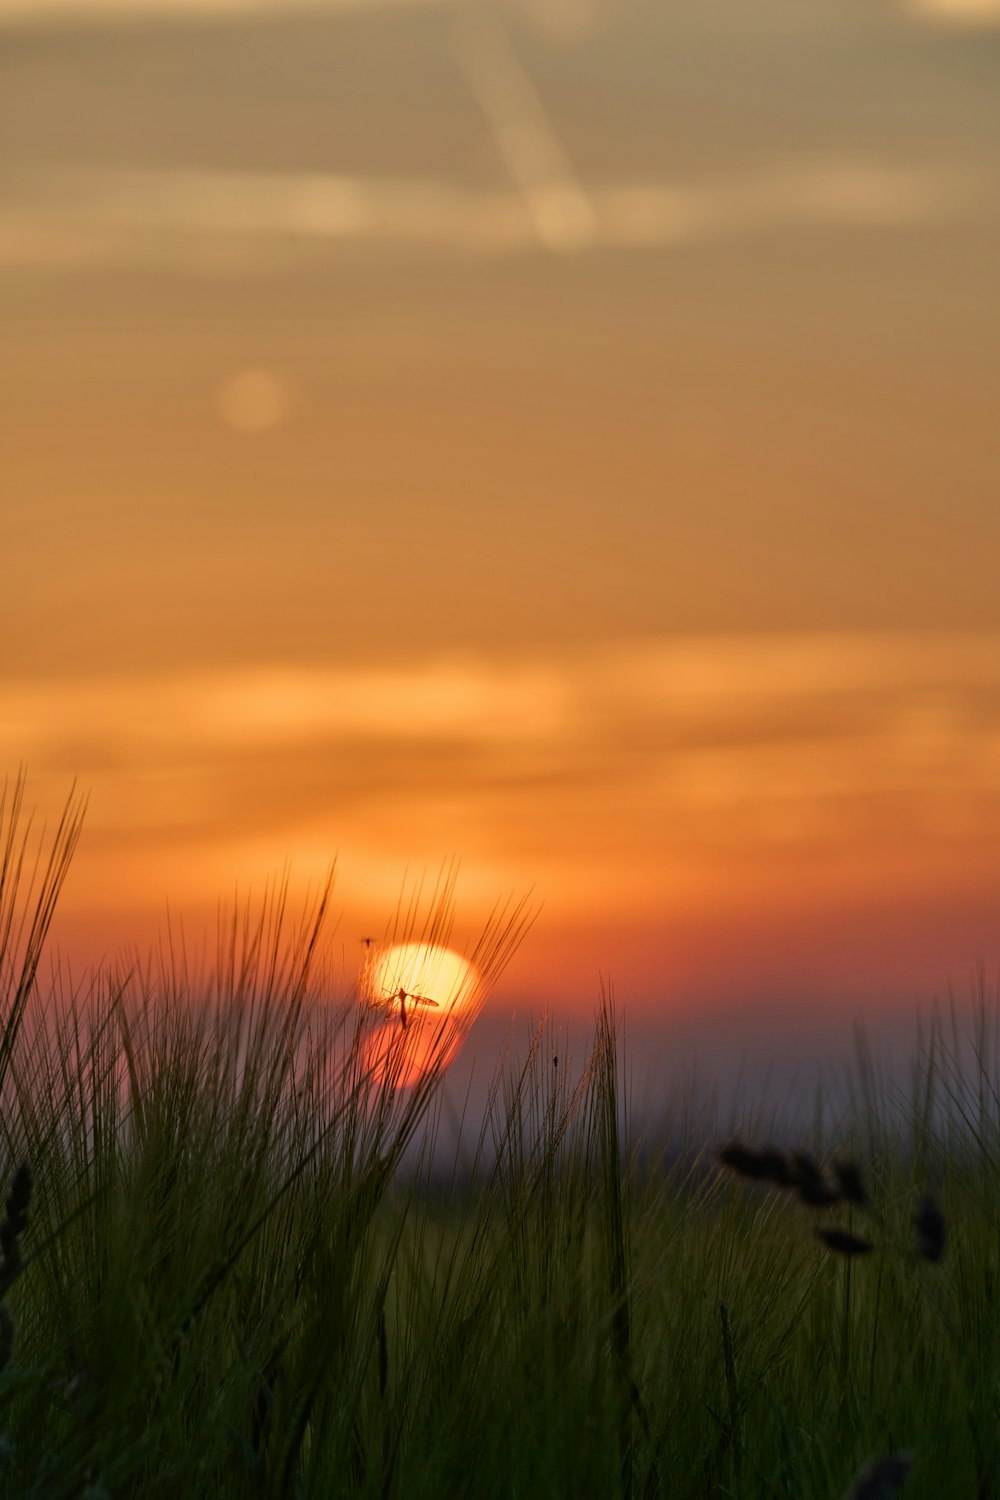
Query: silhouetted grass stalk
[[252, 1267]]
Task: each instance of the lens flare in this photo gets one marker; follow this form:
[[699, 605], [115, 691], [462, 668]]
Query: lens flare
[[254, 401]]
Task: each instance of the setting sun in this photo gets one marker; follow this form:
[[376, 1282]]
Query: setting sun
[[430, 993], [411, 977]]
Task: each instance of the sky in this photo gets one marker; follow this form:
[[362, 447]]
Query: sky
[[558, 436]]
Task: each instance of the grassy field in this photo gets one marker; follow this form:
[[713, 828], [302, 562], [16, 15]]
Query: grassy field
[[234, 1264]]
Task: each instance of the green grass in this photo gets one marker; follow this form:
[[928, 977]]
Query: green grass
[[245, 1272]]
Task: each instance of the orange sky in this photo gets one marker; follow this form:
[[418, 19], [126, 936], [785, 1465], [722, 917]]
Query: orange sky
[[559, 435]]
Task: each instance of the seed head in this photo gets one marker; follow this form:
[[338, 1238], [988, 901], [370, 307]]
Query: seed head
[[882, 1479], [928, 1221], [6, 1336], [759, 1166], [843, 1242], [810, 1183], [13, 1225], [849, 1183]]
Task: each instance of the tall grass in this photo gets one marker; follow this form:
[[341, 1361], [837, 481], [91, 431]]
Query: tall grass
[[242, 1267]]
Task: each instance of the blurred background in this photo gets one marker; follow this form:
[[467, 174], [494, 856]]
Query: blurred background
[[560, 434]]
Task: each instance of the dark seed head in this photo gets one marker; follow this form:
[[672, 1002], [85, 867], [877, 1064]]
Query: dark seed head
[[740, 1158], [774, 1167], [16, 1209], [6, 1336], [810, 1183], [849, 1183], [928, 1221], [759, 1166], [882, 1479], [844, 1243], [20, 1191]]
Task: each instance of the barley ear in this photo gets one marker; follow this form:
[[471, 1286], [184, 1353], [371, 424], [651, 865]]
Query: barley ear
[[931, 1231], [14, 1224], [6, 1336], [882, 1479]]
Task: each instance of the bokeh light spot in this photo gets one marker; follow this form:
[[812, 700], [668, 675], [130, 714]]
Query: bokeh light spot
[[254, 401]]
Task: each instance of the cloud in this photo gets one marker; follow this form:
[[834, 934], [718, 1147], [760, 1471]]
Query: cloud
[[963, 13], [671, 770], [564, 726], [144, 11], [176, 217], [206, 714]]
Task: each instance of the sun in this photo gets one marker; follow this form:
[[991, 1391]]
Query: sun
[[399, 1059], [429, 994], [416, 977]]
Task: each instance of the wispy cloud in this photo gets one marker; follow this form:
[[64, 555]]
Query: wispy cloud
[[211, 714], [667, 756], [144, 11], [684, 806], [175, 216], [965, 13]]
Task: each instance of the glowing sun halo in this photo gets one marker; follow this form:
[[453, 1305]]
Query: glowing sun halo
[[443, 980], [427, 992]]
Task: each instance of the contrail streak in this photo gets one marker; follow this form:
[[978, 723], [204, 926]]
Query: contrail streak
[[561, 213]]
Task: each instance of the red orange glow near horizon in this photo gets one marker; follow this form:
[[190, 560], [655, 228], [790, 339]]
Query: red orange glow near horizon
[[505, 433], [784, 815]]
